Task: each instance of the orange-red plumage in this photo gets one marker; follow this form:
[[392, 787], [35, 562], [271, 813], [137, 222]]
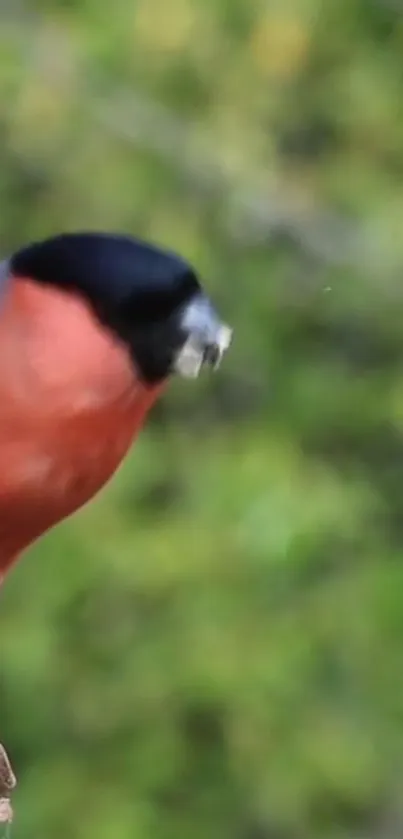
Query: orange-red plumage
[[70, 406]]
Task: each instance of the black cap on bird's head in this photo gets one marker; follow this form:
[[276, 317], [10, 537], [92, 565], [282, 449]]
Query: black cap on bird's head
[[149, 297]]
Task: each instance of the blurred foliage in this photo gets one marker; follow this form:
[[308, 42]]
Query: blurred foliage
[[212, 649]]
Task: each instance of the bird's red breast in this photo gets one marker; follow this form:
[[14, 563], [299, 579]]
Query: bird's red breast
[[70, 407]]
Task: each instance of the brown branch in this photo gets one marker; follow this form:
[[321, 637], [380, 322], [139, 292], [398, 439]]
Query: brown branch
[[7, 783]]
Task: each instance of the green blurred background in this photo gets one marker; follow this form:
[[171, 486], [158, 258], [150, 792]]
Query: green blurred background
[[213, 649]]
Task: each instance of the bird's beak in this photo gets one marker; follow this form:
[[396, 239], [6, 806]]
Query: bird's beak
[[206, 338]]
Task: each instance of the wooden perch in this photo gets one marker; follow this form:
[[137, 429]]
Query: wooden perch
[[7, 783]]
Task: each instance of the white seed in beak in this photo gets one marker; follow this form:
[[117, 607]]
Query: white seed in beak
[[189, 359], [223, 341], [195, 353]]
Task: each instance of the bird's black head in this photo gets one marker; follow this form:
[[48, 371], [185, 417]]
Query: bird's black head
[[150, 298]]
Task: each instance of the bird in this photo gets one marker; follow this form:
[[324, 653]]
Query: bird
[[93, 325]]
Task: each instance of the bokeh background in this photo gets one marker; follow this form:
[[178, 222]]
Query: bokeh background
[[213, 649]]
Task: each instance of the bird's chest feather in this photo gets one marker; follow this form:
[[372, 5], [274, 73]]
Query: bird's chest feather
[[70, 407], [63, 460]]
